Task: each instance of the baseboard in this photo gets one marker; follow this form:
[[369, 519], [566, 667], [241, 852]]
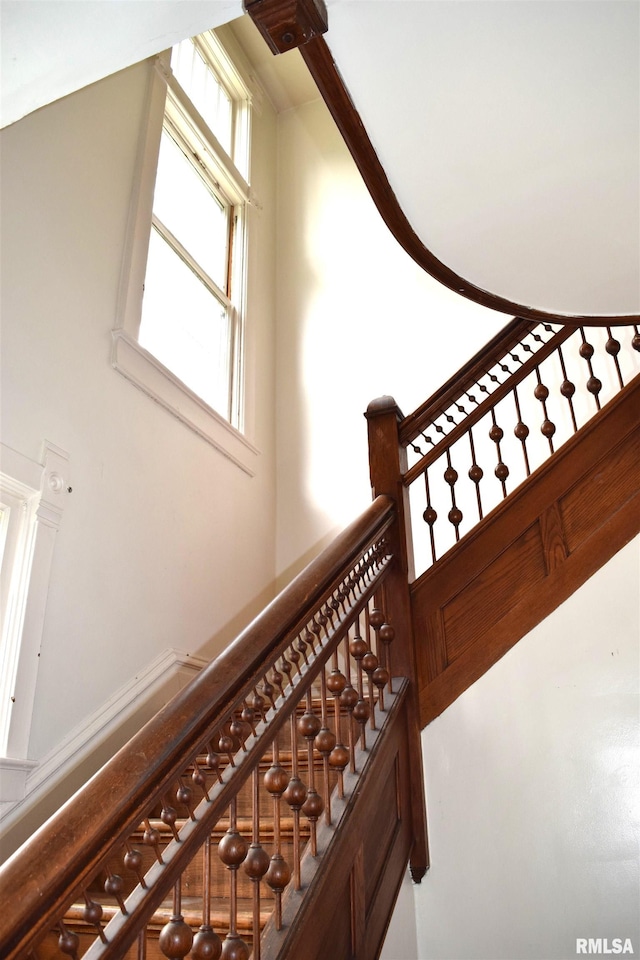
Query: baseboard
[[138, 699]]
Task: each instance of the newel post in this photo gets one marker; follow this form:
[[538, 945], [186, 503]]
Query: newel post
[[387, 464]]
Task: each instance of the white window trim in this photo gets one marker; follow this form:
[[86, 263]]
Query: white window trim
[[128, 357], [42, 488]]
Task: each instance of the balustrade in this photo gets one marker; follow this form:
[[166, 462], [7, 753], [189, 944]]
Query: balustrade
[[208, 856], [500, 418]]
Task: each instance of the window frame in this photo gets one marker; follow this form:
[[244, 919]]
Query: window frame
[[167, 102], [38, 492]]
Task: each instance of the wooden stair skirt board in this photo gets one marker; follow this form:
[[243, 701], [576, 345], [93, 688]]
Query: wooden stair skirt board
[[529, 555]]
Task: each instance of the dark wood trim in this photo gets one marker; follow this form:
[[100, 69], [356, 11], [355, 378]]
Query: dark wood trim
[[324, 71], [287, 24]]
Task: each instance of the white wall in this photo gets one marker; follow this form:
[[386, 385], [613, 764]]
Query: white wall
[[533, 789], [356, 319], [164, 542], [528, 785]]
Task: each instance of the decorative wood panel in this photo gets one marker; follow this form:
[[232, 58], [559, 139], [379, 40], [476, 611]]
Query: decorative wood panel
[[490, 595], [612, 483], [529, 555]]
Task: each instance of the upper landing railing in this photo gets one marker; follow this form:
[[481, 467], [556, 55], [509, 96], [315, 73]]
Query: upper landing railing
[[199, 830], [495, 422]]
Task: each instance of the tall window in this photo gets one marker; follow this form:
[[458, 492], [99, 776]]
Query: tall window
[[193, 290]]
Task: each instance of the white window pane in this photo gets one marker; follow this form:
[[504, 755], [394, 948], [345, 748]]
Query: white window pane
[[186, 206], [185, 326], [205, 91]]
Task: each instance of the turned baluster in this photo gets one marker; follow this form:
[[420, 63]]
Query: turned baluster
[[257, 705], [227, 746], [269, 690], [635, 340], [304, 641], [142, 945], [248, 716], [133, 862], [451, 477], [541, 393], [567, 389], [169, 815], [295, 795], [348, 700], [294, 657], [339, 756], [521, 431], [232, 849], [207, 945], [238, 732], [476, 473], [256, 862], [176, 937], [287, 669], [68, 941], [612, 347], [594, 385], [151, 838], [379, 676], [113, 887], [276, 677], [325, 742], [309, 727], [496, 434], [376, 619], [199, 779], [278, 874], [92, 914], [184, 796], [370, 665], [383, 676], [430, 516], [358, 648]]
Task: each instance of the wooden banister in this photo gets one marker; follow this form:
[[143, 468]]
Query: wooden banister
[[269, 662], [482, 434], [538, 429]]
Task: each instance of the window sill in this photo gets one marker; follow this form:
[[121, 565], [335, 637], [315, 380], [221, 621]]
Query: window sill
[[149, 375]]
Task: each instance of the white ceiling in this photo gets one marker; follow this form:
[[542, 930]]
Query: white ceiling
[[510, 131], [52, 47]]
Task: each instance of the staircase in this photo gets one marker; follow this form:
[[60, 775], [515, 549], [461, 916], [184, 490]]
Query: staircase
[[271, 808]]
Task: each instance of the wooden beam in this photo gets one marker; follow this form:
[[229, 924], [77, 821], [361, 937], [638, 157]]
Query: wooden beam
[[287, 24]]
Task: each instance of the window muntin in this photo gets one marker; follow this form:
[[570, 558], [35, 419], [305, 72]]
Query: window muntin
[[187, 206], [189, 330], [32, 497], [192, 306], [194, 74]]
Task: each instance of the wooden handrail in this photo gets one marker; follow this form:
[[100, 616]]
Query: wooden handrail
[[326, 75], [45, 876]]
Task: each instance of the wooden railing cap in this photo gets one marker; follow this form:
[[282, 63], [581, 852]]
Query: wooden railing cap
[[381, 406]]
